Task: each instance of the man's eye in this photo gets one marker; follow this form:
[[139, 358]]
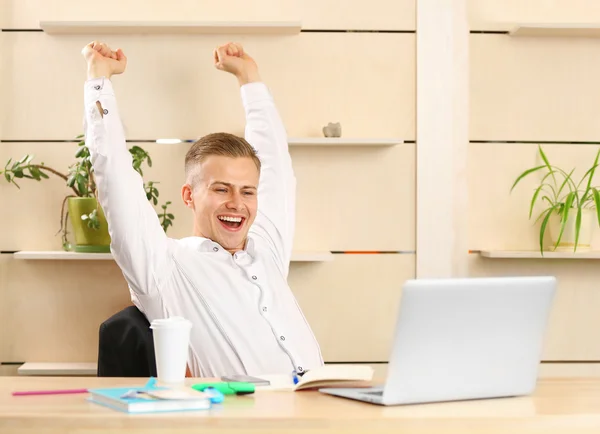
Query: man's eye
[[249, 193], [221, 190]]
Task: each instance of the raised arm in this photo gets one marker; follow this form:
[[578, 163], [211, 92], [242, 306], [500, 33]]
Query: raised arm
[[138, 242], [275, 220]]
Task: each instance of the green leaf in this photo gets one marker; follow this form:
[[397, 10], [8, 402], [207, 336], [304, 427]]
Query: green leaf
[[567, 178], [18, 173], [577, 227], [543, 229], [565, 214], [80, 152], [35, 173], [149, 160], [592, 170], [596, 196], [533, 199], [171, 216], [524, 174]]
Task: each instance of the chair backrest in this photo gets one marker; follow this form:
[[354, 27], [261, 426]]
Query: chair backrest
[[126, 347]]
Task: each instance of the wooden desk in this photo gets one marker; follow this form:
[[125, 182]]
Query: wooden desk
[[558, 406]]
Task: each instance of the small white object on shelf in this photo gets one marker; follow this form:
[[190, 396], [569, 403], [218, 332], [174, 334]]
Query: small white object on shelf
[[62, 255], [557, 29], [170, 27], [341, 141], [535, 254], [60, 369]]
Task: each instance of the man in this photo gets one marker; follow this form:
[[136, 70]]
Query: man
[[230, 278]]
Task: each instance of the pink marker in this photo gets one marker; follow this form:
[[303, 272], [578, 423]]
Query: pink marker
[[49, 392]]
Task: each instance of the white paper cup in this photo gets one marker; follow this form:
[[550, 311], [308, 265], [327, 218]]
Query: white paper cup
[[171, 343]]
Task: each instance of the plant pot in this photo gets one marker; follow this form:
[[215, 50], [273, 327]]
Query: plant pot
[[567, 241], [87, 239]]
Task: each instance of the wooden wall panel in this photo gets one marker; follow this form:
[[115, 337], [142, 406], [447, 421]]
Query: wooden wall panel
[[574, 321], [28, 13], [315, 78], [53, 309], [500, 220], [350, 198], [352, 303], [503, 14], [534, 88], [359, 15], [314, 14]]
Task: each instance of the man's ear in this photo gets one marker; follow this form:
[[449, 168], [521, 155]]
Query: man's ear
[[186, 195]]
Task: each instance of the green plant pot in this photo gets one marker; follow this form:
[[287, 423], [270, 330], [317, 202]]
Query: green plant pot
[[87, 239]]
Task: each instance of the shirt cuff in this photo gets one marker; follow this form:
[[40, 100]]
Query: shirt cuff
[[95, 88], [254, 92]]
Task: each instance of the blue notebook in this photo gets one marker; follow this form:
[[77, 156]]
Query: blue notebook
[[150, 399]]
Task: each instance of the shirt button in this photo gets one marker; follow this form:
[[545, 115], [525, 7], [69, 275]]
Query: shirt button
[[97, 87], [216, 249], [264, 308], [105, 111], [282, 338], [254, 277], [299, 368]]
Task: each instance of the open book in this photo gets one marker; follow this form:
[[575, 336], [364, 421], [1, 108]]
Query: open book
[[336, 376]]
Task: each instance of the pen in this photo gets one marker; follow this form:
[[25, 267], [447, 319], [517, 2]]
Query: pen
[[295, 376]]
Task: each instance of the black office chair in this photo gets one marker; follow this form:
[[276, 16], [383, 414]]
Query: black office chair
[[126, 347]]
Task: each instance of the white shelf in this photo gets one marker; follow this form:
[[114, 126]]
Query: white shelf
[[60, 369], [62, 255], [535, 254], [341, 141], [169, 27], [557, 29]]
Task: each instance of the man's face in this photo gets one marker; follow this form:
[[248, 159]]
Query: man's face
[[224, 200]]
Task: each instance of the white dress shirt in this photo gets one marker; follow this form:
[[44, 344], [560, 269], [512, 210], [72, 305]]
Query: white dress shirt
[[245, 318]]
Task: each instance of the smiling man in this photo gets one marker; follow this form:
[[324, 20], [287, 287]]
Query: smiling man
[[230, 277]]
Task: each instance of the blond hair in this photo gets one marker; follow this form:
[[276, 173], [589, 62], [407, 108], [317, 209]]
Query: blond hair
[[223, 144]]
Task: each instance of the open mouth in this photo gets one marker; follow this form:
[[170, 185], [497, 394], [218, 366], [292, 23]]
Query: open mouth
[[231, 223]]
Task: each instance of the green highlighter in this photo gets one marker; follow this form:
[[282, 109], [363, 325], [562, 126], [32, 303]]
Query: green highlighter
[[227, 387]]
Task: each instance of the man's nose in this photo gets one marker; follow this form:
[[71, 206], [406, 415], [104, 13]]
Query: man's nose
[[235, 201]]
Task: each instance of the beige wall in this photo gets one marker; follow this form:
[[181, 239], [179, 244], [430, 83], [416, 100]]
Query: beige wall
[[533, 90], [521, 90], [349, 198]]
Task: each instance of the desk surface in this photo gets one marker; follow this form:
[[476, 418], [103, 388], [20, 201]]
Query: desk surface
[[558, 405]]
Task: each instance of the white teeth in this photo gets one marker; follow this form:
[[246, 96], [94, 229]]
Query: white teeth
[[231, 219]]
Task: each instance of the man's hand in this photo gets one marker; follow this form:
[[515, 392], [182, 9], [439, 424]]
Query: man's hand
[[102, 61], [232, 58]]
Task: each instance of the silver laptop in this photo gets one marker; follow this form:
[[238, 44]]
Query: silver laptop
[[459, 339]]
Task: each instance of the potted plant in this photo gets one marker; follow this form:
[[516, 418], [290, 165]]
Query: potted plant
[[81, 207], [571, 208]]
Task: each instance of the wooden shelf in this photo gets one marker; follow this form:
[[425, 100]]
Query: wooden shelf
[[169, 27], [341, 141], [590, 30], [535, 254], [62, 255], [59, 369]]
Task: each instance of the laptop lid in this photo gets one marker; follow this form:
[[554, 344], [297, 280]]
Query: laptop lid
[[468, 338]]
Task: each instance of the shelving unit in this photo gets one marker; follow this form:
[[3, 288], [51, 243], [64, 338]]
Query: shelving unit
[[590, 30], [59, 369], [170, 27], [535, 254], [62, 255], [342, 141]]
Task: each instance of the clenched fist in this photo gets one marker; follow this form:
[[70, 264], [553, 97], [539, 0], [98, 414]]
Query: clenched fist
[[231, 57], [102, 61]]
